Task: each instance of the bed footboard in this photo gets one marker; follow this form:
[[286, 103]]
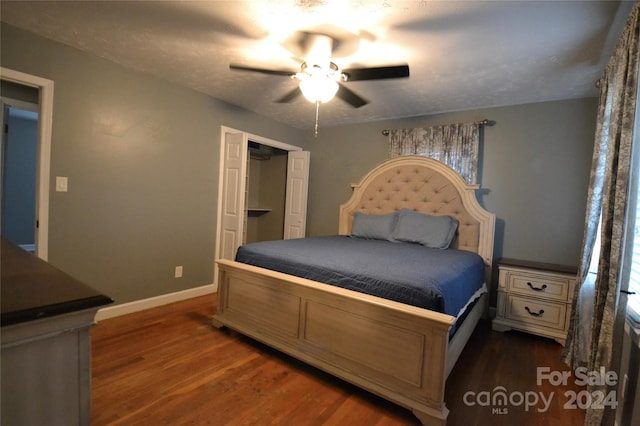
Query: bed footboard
[[393, 350]]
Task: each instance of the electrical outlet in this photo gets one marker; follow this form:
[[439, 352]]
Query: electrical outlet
[[178, 273]]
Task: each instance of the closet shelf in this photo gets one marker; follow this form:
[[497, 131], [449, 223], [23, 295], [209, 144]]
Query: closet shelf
[[257, 211]]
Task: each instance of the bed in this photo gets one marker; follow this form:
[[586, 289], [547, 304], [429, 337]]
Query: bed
[[399, 351]]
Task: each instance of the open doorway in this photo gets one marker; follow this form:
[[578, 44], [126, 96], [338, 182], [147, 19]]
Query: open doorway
[[41, 91], [19, 154], [266, 184]]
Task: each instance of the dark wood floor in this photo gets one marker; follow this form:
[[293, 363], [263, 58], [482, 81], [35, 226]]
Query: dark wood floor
[[168, 366]]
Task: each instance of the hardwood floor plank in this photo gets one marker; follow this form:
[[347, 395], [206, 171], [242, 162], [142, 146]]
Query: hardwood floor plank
[[169, 366]]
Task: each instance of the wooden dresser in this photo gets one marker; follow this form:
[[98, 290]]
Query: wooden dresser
[[534, 297], [46, 352]]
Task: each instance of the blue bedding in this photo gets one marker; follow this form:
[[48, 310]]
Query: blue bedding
[[435, 279]]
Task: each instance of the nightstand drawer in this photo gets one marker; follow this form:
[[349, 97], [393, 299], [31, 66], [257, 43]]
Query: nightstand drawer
[[537, 312], [538, 285]]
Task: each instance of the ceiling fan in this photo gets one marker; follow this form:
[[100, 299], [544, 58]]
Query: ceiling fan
[[332, 73], [320, 79]]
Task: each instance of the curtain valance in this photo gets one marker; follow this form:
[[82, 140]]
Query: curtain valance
[[455, 145]]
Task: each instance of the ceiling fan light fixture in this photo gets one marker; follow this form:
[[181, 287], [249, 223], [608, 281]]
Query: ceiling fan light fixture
[[319, 89], [319, 84]]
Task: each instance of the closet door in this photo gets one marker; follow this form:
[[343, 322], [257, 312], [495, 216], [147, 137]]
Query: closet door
[[295, 215], [233, 194]]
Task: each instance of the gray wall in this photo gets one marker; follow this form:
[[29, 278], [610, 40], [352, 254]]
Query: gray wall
[[534, 173], [142, 159]]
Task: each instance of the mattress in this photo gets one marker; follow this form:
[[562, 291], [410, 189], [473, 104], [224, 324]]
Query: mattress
[[440, 280]]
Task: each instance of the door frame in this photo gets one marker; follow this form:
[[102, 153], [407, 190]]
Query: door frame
[[247, 136], [43, 169]]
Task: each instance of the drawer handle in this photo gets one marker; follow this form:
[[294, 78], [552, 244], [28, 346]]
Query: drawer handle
[[544, 286], [534, 314]]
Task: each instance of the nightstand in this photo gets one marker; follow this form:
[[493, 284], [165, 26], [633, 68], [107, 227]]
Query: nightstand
[[534, 297]]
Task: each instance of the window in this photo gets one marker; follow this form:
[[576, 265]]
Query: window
[[633, 303], [633, 233]]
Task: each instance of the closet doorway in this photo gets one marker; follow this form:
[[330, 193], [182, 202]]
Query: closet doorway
[[262, 193], [265, 194]]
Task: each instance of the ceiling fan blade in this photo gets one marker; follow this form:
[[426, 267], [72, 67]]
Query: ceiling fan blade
[[350, 97], [262, 70], [376, 73], [290, 96]]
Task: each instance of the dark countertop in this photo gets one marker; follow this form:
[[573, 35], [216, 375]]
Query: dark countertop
[[33, 289]]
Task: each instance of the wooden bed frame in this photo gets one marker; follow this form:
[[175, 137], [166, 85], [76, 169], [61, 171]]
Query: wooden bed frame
[[400, 352]]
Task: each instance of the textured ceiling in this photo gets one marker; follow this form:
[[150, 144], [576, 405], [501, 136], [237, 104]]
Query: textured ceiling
[[462, 54]]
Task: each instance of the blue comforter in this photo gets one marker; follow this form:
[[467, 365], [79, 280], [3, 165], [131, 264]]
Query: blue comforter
[[439, 280]]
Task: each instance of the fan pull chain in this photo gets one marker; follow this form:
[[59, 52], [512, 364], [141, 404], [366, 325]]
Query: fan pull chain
[[315, 129]]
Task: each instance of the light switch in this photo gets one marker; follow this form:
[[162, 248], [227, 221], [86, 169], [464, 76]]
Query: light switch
[[61, 184]]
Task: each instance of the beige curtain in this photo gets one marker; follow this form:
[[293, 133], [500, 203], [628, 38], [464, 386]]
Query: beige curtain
[[599, 306], [456, 145]]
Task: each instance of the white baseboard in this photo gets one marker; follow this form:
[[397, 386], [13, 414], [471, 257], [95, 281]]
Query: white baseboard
[[153, 302]]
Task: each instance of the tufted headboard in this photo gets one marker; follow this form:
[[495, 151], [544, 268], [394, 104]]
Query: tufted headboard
[[426, 186]]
